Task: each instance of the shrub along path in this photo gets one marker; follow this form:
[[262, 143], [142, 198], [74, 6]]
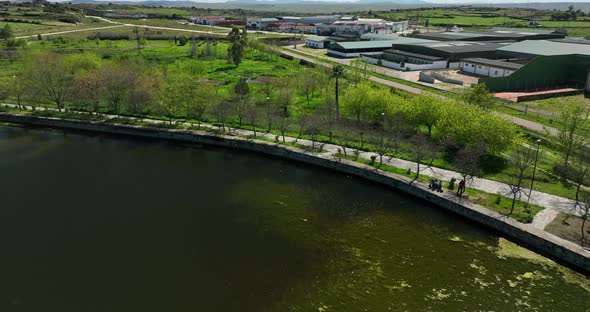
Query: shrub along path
[[553, 204]]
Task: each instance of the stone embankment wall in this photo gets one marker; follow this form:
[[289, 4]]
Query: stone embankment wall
[[546, 243]]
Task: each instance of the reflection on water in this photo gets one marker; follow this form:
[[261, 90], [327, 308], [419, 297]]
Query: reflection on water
[[98, 223]]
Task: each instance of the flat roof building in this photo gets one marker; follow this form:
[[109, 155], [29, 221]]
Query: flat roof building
[[316, 42], [533, 48], [356, 48], [435, 55], [553, 64], [373, 47], [453, 51], [492, 35]]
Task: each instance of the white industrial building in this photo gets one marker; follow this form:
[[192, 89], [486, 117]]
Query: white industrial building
[[489, 68], [316, 42]]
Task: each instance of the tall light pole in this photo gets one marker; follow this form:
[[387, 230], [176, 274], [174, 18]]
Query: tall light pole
[[268, 113], [534, 170]]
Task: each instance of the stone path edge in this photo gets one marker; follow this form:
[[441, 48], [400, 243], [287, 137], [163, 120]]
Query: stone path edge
[[546, 243]]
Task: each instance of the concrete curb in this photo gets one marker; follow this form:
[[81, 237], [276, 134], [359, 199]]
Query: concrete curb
[[559, 249]]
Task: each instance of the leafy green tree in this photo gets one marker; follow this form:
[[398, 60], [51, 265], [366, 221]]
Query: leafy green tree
[[480, 96], [309, 83], [238, 41], [469, 125], [241, 93], [52, 77], [425, 110], [573, 120], [356, 104], [18, 85], [201, 97], [117, 82], [6, 33]]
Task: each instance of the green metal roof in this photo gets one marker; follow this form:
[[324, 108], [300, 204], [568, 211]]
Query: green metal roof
[[545, 48], [366, 44], [316, 38], [462, 34], [380, 43], [398, 39]]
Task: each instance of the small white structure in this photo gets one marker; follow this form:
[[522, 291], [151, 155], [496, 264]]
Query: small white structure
[[488, 68], [316, 42], [206, 20]]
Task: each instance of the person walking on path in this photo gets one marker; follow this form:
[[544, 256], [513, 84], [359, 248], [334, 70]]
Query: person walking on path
[[461, 188]]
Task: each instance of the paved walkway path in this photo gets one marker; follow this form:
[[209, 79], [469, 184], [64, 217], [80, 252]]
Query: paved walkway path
[[553, 204]]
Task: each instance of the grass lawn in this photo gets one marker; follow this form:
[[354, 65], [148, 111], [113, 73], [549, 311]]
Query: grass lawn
[[160, 22], [569, 227], [556, 104], [522, 212]]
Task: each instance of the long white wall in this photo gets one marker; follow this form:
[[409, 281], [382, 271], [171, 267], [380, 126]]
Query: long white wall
[[486, 71], [407, 66], [355, 54]]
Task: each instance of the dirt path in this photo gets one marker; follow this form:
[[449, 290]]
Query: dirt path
[[70, 31]]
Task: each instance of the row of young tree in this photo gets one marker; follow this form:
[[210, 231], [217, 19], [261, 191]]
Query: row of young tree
[[337, 105]]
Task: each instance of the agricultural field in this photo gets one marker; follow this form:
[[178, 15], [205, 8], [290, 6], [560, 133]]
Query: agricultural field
[[26, 21], [482, 18]]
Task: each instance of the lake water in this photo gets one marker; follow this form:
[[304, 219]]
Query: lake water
[[101, 223]]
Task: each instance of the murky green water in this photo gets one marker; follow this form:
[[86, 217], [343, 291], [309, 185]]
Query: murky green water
[[98, 223]]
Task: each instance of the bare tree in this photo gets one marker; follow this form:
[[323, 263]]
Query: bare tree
[[344, 133], [302, 124], [251, 116], [584, 215], [313, 130], [143, 94], [309, 83], [268, 89], [423, 151], [117, 81], [328, 115], [380, 138], [88, 88], [283, 123], [521, 159], [220, 110], [285, 95], [468, 162]]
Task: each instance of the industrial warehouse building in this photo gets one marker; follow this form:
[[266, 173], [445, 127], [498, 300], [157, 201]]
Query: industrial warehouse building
[[489, 68], [373, 47], [492, 35], [317, 42], [435, 55], [553, 64]]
